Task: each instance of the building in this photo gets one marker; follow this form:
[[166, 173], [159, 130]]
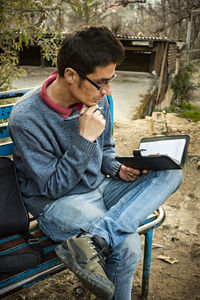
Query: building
[[153, 55]]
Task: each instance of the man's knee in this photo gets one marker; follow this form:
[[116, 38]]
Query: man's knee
[[129, 252], [175, 178], [179, 176], [132, 247]]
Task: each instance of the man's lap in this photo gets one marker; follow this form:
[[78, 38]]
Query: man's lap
[[68, 214]]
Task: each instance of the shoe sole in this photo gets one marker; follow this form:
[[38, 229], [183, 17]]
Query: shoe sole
[[94, 285]]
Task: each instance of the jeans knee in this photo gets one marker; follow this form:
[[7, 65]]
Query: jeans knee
[[134, 248], [130, 249], [124, 259], [176, 177]]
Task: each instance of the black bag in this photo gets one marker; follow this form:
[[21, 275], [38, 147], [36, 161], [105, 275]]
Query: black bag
[[14, 219], [13, 215]]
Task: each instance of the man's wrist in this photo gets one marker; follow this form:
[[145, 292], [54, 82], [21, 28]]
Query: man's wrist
[[117, 173]]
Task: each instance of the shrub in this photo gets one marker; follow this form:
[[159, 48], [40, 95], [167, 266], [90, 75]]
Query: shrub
[[193, 115], [182, 84]]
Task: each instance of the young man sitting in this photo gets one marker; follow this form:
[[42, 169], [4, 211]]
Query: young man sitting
[[68, 174]]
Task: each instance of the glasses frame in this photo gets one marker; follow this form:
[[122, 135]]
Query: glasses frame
[[97, 86]]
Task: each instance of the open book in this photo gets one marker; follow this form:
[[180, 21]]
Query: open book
[[158, 153]]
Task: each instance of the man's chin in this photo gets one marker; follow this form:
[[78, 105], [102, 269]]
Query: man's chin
[[93, 103], [98, 99]]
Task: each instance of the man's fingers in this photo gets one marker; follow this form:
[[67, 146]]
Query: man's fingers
[[145, 171], [132, 177], [91, 110], [99, 108], [132, 171], [83, 109]]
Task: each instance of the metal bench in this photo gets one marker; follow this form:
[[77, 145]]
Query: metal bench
[[11, 282]]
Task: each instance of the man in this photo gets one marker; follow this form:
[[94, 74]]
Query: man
[[69, 178]]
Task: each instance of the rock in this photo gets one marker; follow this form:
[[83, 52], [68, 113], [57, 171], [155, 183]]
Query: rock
[[168, 259], [79, 291], [21, 297], [155, 246], [191, 195], [159, 125], [174, 239], [158, 117], [195, 250], [53, 296]]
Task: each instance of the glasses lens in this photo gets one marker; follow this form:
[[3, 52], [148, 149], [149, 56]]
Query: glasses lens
[[95, 84], [109, 81]]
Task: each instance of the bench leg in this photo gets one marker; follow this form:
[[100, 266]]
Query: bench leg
[[146, 263]]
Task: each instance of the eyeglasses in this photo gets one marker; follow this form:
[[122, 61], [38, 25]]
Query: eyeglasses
[[94, 83]]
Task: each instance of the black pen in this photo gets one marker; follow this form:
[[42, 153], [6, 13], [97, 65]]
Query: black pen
[[79, 115]]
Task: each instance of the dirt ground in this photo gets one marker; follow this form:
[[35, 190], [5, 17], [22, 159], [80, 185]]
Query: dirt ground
[[175, 263]]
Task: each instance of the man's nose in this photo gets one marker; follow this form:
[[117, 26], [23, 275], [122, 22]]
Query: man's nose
[[106, 90]]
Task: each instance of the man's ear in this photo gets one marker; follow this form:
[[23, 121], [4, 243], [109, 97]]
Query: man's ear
[[70, 75]]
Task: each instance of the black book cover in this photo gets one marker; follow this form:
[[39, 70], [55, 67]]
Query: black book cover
[[158, 153]]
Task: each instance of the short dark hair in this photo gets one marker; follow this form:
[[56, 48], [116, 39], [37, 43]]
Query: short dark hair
[[89, 47]]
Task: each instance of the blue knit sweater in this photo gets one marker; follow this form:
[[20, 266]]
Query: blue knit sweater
[[51, 157]]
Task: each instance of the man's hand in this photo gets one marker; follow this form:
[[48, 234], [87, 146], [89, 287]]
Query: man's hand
[[91, 123], [130, 174]]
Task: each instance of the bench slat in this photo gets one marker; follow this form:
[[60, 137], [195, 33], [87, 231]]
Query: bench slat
[[25, 281], [5, 111], [14, 93], [4, 133], [6, 149]]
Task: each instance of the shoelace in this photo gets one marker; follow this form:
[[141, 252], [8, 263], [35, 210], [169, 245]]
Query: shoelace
[[102, 250]]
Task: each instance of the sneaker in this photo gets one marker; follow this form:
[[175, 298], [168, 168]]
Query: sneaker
[[85, 257]]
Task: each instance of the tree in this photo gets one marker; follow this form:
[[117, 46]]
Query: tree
[[172, 17], [35, 22], [42, 22], [25, 23]]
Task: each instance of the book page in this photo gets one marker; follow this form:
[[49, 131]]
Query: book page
[[173, 148]]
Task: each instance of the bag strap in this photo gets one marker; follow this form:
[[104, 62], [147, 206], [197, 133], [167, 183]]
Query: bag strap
[[34, 243]]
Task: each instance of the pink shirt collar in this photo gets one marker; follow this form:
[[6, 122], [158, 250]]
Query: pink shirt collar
[[61, 110]]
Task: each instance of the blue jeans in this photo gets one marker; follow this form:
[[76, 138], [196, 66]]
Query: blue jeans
[[113, 211]]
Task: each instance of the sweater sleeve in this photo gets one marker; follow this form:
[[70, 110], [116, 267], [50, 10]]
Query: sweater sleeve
[[110, 165], [53, 175]]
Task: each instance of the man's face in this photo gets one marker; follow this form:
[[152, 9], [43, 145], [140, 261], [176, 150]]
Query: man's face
[[85, 92]]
